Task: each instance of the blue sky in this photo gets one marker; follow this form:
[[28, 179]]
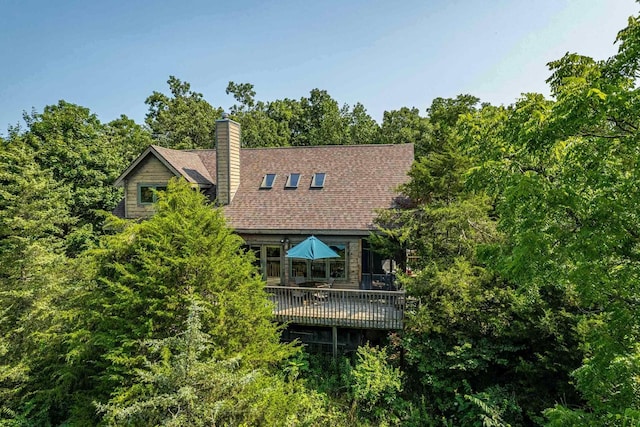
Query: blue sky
[[110, 55]]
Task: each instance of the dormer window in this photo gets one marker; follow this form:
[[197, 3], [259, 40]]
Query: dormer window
[[267, 181], [293, 180], [318, 180]]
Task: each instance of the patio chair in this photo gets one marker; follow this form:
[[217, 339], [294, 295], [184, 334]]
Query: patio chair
[[299, 295], [323, 296], [327, 285]]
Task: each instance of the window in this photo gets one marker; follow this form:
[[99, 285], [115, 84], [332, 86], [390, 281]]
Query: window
[[337, 266], [298, 267], [268, 180], [318, 180], [266, 261], [293, 180], [147, 193], [322, 269], [273, 262]]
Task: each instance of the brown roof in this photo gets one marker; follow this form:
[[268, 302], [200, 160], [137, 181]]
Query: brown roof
[[188, 164], [359, 180]]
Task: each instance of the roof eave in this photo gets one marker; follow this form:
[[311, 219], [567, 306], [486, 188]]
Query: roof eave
[[119, 182], [319, 232]]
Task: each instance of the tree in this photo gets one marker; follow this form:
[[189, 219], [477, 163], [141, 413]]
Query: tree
[[184, 385], [362, 128], [566, 200], [403, 126], [321, 122], [313, 120], [33, 214], [475, 330], [259, 128], [375, 387], [184, 119], [69, 142], [145, 278], [242, 93], [127, 138]]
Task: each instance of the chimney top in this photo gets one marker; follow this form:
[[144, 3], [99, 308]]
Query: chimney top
[[225, 115]]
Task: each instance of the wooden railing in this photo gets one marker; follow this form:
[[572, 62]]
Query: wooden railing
[[338, 307]]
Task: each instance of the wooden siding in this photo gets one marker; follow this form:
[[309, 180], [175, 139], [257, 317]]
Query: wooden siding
[[228, 159], [234, 159], [337, 307], [354, 261], [149, 171]]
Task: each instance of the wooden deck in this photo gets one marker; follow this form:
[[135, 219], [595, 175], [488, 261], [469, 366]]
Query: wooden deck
[[339, 307]]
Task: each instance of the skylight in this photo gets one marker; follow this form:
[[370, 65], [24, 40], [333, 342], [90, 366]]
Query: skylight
[[318, 180], [268, 180], [293, 180]]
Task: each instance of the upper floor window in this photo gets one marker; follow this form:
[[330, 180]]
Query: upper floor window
[[268, 180], [318, 180], [293, 180], [147, 193]]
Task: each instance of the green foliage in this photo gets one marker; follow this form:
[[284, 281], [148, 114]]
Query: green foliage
[[33, 209], [375, 386], [182, 120], [82, 157], [565, 184], [33, 214], [314, 120], [86, 339], [360, 389], [69, 142], [479, 348], [148, 274], [263, 124], [127, 138], [489, 408], [184, 386], [361, 127], [404, 126]]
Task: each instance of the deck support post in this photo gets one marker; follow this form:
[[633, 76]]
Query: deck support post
[[334, 333]]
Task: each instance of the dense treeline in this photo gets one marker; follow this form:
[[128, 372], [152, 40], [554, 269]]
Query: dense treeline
[[523, 222]]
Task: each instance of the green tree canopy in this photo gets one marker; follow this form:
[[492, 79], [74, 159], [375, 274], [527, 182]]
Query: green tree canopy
[[183, 119], [144, 279], [565, 176], [70, 143]]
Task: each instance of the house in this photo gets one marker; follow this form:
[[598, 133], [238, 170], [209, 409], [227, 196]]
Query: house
[[276, 197]]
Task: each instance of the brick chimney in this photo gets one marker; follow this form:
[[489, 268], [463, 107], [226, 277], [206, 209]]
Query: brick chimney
[[227, 159]]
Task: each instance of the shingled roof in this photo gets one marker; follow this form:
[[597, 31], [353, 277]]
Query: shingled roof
[[359, 180]]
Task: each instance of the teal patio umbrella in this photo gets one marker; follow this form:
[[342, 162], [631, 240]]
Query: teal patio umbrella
[[312, 248]]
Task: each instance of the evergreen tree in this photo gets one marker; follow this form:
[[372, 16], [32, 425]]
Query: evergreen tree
[[33, 214], [146, 277], [183, 385]]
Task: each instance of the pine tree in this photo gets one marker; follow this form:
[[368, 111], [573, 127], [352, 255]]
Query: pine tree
[[32, 214], [145, 279]]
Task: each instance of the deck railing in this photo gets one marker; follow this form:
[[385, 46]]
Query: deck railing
[[338, 307]]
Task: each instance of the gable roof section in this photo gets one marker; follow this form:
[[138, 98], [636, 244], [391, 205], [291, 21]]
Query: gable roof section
[[181, 163], [359, 180]]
